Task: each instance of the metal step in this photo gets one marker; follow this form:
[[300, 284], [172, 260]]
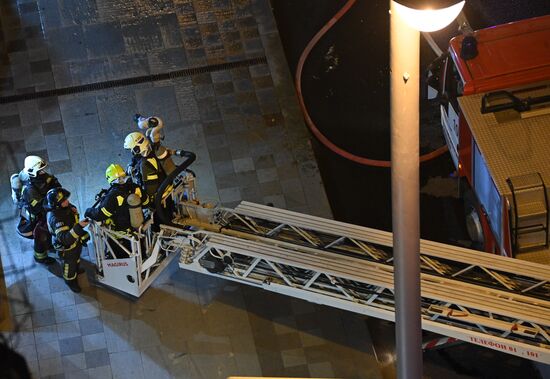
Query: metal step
[[532, 209], [529, 222], [530, 229]]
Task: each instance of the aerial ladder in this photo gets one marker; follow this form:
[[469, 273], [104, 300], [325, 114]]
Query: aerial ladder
[[489, 300]]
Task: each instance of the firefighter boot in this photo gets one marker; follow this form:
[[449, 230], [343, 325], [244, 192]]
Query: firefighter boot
[[73, 285], [45, 261]]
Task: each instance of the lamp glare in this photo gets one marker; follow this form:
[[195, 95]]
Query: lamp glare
[[428, 20]]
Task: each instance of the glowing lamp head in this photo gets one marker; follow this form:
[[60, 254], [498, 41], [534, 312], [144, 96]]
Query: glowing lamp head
[[428, 15]]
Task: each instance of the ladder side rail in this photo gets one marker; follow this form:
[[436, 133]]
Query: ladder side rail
[[430, 248], [489, 261], [515, 212], [546, 207]]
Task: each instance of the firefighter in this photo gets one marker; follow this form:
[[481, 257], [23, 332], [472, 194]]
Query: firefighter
[[153, 128], [68, 233], [145, 165], [115, 209], [35, 184]]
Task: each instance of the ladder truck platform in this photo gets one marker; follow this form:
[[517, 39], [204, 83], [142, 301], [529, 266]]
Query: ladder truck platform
[[494, 301]]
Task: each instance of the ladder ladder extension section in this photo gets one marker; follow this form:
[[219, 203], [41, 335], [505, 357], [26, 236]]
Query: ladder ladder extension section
[[496, 302]]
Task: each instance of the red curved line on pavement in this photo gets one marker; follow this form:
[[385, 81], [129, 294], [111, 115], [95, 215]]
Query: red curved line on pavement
[[311, 125]]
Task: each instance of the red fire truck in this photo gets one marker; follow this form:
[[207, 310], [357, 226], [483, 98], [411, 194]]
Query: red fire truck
[[494, 91]]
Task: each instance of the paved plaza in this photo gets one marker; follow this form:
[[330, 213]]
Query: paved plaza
[[240, 116]]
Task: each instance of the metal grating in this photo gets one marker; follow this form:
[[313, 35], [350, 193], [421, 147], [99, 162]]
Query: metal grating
[[135, 80]]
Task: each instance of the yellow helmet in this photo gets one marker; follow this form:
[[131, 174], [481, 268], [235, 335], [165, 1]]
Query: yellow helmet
[[137, 143], [115, 172]]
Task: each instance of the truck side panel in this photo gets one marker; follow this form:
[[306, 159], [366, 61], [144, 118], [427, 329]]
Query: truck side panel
[[487, 194]]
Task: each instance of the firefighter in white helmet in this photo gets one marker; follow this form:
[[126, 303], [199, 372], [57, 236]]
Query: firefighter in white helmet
[[153, 129], [29, 189], [145, 166]]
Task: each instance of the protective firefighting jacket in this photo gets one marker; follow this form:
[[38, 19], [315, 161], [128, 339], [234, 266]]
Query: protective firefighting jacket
[[151, 174], [114, 209], [33, 193], [66, 231]]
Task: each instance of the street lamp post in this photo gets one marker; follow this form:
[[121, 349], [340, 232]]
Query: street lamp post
[[407, 19]]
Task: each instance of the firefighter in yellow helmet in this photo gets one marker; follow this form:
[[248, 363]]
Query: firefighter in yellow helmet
[[113, 209], [145, 164]]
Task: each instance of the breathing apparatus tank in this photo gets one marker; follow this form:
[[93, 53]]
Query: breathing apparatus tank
[[136, 214], [16, 187]]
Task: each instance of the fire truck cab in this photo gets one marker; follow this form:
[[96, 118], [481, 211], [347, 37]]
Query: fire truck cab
[[494, 91]]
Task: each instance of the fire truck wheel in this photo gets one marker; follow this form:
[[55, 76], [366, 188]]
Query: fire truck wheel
[[473, 221]]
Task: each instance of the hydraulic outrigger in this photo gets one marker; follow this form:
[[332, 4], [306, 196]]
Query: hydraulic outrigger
[[488, 300]]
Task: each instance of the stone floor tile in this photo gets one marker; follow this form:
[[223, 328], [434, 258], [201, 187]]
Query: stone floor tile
[[68, 330], [93, 342], [45, 333], [48, 349], [23, 322], [104, 39], [35, 142], [57, 284], [54, 127], [159, 101], [98, 358], [65, 44], [92, 325], [58, 168], [73, 345], [87, 310], [154, 365], [43, 318], [63, 299], [79, 115], [50, 366], [222, 168], [117, 340], [100, 372], [289, 341], [243, 164], [267, 175], [73, 362], [80, 374], [38, 287], [230, 194]]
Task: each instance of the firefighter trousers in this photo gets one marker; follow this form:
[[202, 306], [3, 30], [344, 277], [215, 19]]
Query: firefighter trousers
[[42, 240], [71, 260]]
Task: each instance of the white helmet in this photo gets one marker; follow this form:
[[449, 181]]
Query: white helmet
[[137, 143], [33, 164], [145, 123]]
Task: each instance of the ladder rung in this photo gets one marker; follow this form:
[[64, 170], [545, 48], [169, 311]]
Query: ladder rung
[[530, 245], [528, 188], [530, 229], [532, 209]]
